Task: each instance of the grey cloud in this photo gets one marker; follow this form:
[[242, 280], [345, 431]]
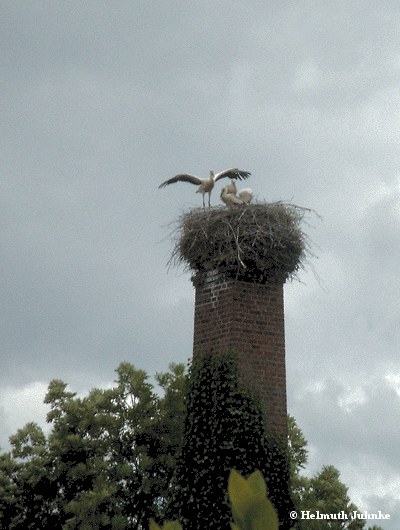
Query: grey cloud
[[101, 103]]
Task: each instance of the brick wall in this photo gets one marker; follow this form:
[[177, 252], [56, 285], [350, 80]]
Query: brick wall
[[248, 318]]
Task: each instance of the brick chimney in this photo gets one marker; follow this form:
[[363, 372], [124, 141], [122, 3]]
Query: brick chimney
[[248, 318], [240, 259]]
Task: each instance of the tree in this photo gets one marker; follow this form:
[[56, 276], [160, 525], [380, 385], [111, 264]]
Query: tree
[[327, 494], [323, 492], [122, 455], [9, 490], [107, 462], [298, 454], [31, 481]]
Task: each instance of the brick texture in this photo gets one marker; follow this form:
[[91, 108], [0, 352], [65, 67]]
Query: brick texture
[[247, 318]]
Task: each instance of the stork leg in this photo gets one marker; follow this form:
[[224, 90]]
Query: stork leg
[[204, 203], [209, 199]]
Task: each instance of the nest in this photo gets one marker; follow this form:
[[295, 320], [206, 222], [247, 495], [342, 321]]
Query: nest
[[258, 242]]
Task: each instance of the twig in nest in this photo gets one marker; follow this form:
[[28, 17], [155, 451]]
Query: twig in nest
[[259, 242]]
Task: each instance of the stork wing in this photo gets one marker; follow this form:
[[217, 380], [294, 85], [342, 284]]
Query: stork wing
[[233, 173], [184, 177]]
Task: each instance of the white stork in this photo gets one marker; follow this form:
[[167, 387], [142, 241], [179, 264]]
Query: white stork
[[246, 194], [206, 185], [229, 197], [231, 188]]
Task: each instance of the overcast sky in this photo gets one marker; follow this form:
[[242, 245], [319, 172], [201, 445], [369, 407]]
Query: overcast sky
[[102, 101]]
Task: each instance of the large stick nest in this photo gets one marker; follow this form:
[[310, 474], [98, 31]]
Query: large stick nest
[[258, 242]]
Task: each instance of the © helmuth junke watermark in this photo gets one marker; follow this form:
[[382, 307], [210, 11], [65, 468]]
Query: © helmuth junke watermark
[[340, 516]]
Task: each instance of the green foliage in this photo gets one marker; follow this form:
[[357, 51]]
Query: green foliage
[[298, 454], [297, 446], [107, 462], [9, 490], [326, 493], [168, 525], [251, 508], [118, 457], [323, 492], [29, 476], [224, 429]]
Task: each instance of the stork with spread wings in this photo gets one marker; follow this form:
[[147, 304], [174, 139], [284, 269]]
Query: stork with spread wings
[[206, 185]]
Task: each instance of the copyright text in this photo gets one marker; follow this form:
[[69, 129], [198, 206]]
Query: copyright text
[[340, 516]]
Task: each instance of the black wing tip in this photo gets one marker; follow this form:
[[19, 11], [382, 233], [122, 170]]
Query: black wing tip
[[163, 184], [172, 180], [243, 174]]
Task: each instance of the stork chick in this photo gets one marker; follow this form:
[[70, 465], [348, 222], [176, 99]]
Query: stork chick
[[230, 199], [231, 188], [246, 194]]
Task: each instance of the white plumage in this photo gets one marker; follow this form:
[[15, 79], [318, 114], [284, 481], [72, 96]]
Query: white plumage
[[246, 194], [231, 188], [206, 185], [229, 197]]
